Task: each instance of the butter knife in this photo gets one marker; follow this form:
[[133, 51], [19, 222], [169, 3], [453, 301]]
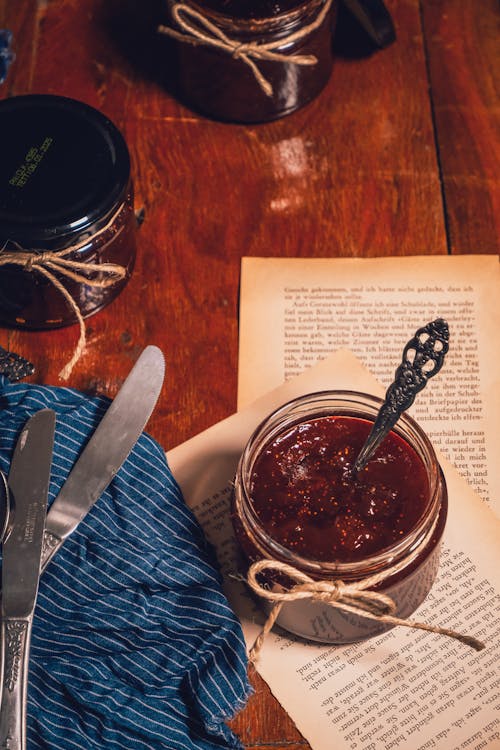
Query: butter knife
[[28, 484], [107, 449]]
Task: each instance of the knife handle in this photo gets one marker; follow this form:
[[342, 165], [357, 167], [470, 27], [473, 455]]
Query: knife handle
[[16, 637], [50, 545]]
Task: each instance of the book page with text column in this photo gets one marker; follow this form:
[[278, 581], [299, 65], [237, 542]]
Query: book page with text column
[[405, 689], [295, 312]]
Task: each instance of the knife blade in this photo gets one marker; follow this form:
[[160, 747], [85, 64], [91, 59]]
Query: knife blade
[[106, 451], [28, 484]]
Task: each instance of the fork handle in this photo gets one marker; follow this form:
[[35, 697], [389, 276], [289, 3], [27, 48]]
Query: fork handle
[[16, 637]]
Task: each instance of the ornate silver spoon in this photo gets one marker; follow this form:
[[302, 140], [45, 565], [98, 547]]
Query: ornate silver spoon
[[13, 366], [423, 357], [4, 505]]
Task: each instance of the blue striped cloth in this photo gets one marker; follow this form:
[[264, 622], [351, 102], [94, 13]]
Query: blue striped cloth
[[134, 645], [6, 54]]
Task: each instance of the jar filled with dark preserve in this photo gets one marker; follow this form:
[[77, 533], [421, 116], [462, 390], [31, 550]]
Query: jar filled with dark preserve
[[65, 186], [296, 502], [252, 62]]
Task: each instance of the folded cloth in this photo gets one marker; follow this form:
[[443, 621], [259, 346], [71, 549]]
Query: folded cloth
[[134, 644], [6, 54]]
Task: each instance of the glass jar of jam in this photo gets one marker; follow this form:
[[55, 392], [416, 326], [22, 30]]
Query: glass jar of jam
[[296, 501], [65, 186], [251, 62]]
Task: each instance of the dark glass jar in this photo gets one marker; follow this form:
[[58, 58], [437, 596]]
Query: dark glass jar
[[246, 84], [408, 564], [65, 184]]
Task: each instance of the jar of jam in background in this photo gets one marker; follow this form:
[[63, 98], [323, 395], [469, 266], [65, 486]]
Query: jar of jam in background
[[221, 79], [65, 182], [296, 502]]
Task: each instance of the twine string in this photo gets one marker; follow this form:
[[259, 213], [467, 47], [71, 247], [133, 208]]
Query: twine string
[[357, 598], [50, 263], [195, 28]]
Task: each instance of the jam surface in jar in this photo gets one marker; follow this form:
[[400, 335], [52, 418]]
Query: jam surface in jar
[[307, 500]]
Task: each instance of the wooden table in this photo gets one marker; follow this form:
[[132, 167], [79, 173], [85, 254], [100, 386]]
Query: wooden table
[[398, 156]]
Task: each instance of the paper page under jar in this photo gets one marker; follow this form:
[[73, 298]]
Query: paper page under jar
[[406, 689], [296, 311]]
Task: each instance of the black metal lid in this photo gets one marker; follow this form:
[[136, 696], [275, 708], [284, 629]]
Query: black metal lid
[[63, 166]]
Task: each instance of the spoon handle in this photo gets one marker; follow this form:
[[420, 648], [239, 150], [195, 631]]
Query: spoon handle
[[423, 357], [16, 637], [13, 366], [4, 506]]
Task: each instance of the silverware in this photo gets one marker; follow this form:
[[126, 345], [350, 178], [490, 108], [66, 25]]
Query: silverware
[[423, 357], [4, 505], [13, 366], [28, 483], [107, 449]]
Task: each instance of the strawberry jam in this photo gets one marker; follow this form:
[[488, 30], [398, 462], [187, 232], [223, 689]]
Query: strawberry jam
[[305, 496], [296, 502]]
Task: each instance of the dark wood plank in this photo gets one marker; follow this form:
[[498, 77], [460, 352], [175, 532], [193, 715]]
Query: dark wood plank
[[23, 20], [464, 64], [264, 723], [356, 173]]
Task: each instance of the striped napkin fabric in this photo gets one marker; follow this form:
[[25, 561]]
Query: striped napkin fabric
[[6, 54], [134, 644]]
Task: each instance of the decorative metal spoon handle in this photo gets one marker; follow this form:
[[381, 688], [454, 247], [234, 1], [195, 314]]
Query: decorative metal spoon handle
[[13, 366], [423, 357], [4, 506]]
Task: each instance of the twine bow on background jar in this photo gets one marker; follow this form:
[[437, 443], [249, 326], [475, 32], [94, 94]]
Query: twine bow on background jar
[[50, 263], [252, 69], [67, 220]]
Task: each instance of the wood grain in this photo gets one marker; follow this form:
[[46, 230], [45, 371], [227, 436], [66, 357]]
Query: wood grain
[[464, 67], [398, 156]]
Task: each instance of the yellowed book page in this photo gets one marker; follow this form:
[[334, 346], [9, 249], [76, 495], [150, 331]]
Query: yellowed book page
[[295, 312], [406, 689]]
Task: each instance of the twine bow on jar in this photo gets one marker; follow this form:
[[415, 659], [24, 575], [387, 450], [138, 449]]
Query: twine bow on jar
[[196, 28], [50, 263], [357, 598]]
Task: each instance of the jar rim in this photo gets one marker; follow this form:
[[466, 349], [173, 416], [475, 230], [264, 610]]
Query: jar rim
[[282, 22], [351, 400], [65, 165]]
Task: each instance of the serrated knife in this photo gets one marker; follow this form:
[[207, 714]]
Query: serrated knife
[[106, 451], [28, 484]]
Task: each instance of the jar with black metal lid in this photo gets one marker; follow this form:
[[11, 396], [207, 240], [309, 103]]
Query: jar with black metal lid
[[67, 220], [252, 62], [404, 569]]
